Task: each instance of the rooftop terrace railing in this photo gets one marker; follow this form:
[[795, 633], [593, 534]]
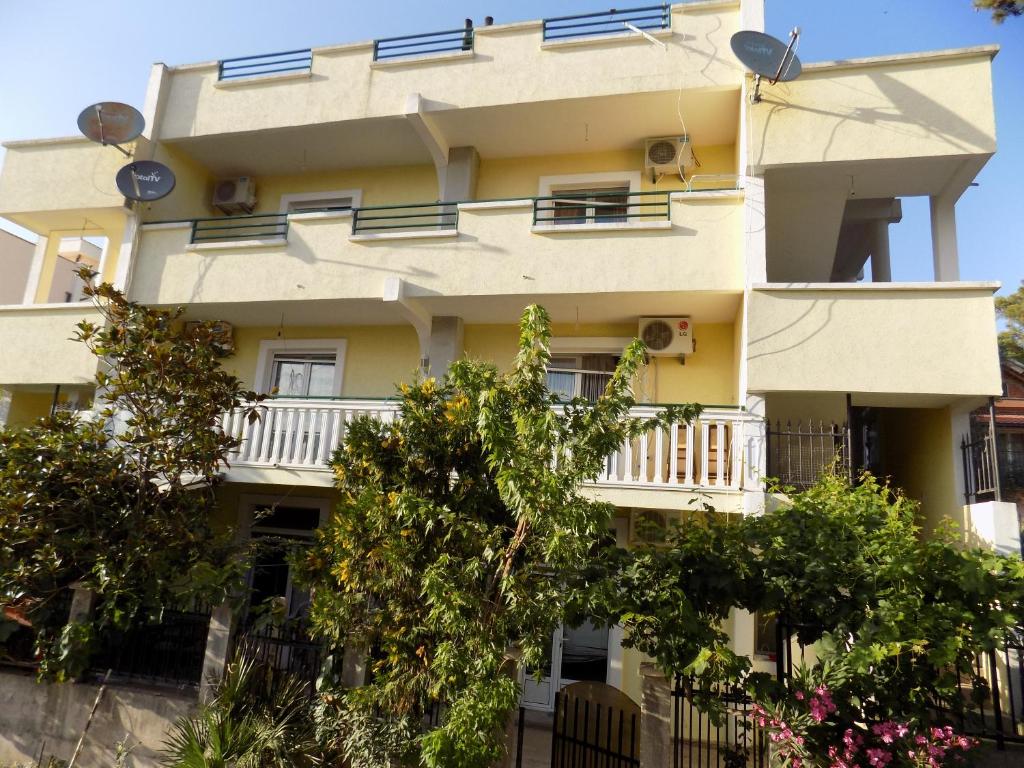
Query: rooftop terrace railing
[[257, 226], [583, 207], [449, 41], [415, 216], [265, 64], [649, 17]]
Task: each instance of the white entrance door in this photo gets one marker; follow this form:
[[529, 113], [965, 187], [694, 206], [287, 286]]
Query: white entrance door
[[576, 653]]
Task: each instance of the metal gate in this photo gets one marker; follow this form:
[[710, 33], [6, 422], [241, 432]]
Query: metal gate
[[728, 740], [595, 726]]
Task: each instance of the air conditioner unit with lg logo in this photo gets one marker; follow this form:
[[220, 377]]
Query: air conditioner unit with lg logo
[[665, 336], [233, 196]]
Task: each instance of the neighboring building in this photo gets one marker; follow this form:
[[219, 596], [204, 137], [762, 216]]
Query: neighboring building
[[15, 263], [400, 209], [995, 461]]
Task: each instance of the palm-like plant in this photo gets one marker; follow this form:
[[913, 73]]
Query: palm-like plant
[[257, 717]]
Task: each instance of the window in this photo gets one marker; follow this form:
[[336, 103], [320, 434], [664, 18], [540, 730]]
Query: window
[[586, 376], [301, 367], [338, 201], [601, 205], [309, 375], [586, 198], [765, 637]]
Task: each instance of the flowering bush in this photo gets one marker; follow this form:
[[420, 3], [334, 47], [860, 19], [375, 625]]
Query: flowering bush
[[809, 730]]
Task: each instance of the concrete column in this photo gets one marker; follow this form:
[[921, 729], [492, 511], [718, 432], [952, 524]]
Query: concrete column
[[446, 344], [881, 267], [35, 271], [353, 668], [744, 628], [944, 250], [82, 601], [655, 718], [126, 253], [755, 456], [459, 182], [218, 645], [993, 525]]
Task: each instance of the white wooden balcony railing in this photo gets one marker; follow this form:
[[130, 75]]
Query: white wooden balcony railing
[[302, 434]]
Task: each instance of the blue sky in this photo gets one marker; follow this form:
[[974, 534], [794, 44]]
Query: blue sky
[[57, 56]]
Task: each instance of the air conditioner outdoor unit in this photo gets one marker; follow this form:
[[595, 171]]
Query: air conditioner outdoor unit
[[222, 333], [667, 335], [671, 154], [235, 195]]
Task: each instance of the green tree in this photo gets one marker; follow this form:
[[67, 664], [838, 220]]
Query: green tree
[[460, 528], [1011, 309], [120, 503], [844, 564], [1001, 9]]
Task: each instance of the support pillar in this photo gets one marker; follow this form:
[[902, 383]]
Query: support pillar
[[881, 266], [82, 601], [655, 718], [35, 271], [944, 250], [218, 645], [446, 344], [353, 668]]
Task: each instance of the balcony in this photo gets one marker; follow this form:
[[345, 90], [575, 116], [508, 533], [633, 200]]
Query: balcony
[[296, 435], [683, 241], [924, 344], [37, 345], [485, 66]]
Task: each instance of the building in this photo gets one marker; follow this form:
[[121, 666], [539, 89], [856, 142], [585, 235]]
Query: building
[[359, 211]]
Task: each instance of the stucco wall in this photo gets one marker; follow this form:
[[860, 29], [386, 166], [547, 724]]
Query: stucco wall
[[38, 349], [35, 717], [929, 339], [492, 252], [509, 67], [918, 105]]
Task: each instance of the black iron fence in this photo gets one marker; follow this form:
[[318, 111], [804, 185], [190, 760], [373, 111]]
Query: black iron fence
[[417, 216], [600, 207], [257, 226], [799, 455], [18, 648], [265, 64], [713, 727], [167, 649], [586, 734], [448, 41], [1010, 461], [650, 17], [285, 647], [989, 704]]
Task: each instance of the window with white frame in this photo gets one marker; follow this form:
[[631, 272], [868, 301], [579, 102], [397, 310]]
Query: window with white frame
[[338, 201], [586, 198], [303, 375], [583, 375], [301, 367]]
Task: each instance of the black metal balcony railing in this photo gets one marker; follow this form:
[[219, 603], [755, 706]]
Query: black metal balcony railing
[[257, 226], [798, 456], [449, 41], [981, 469], [167, 650], [650, 17], [418, 216], [582, 207], [265, 64]]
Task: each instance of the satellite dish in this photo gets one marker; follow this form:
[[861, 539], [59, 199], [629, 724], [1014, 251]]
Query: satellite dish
[[145, 180], [111, 122], [767, 56]]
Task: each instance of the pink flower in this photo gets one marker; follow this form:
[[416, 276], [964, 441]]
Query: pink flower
[[879, 757], [799, 695]]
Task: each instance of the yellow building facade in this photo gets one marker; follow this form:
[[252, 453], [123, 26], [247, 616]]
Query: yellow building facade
[[358, 218]]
